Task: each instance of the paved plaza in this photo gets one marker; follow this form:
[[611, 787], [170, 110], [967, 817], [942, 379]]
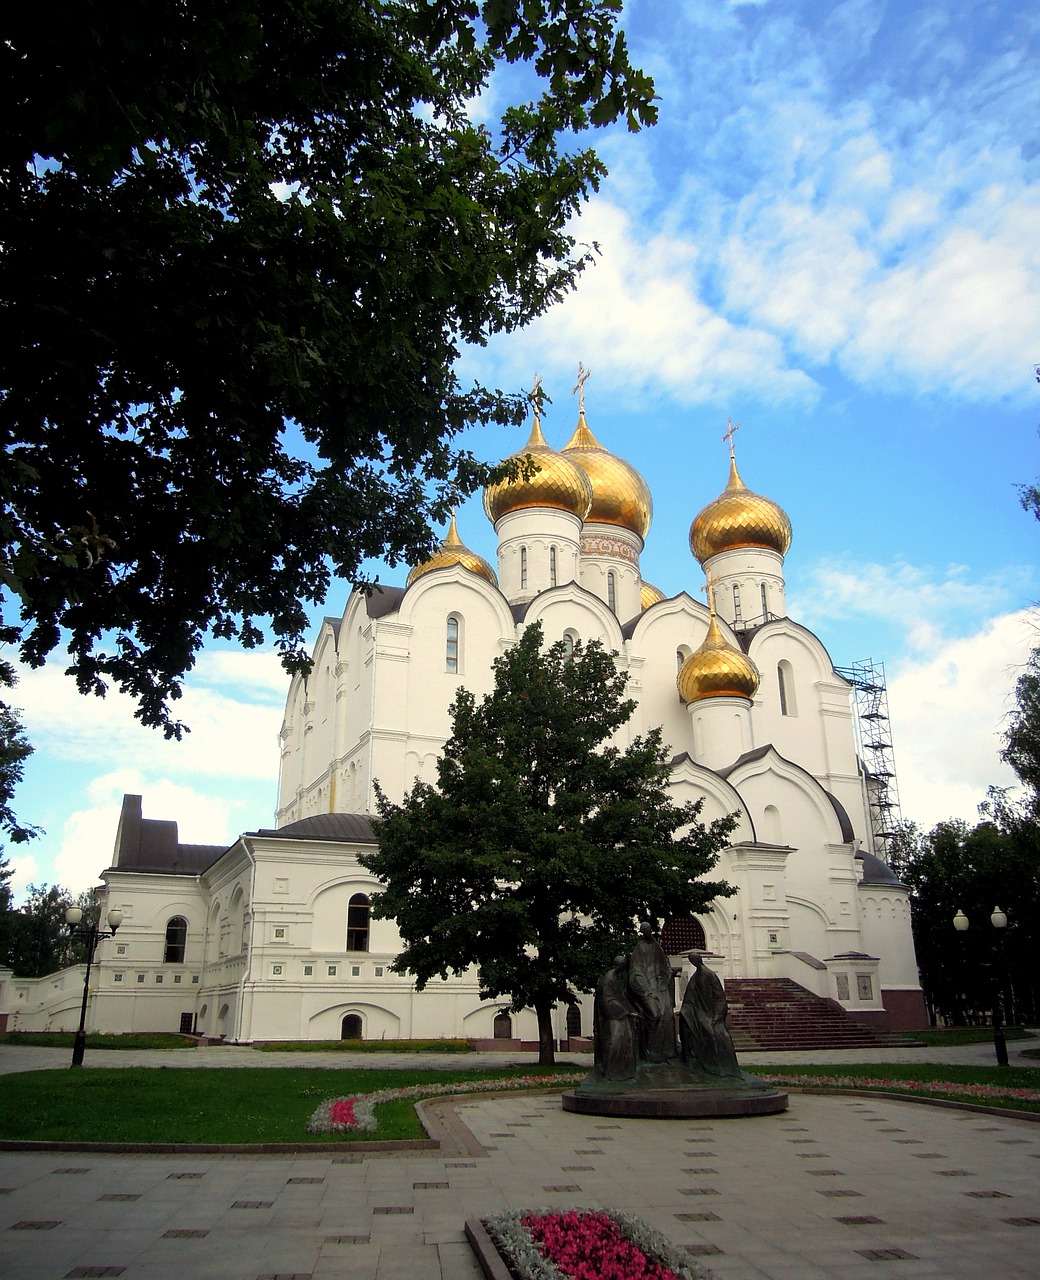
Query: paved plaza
[[836, 1187]]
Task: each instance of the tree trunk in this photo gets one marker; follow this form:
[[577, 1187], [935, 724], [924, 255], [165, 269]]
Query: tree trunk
[[546, 1039]]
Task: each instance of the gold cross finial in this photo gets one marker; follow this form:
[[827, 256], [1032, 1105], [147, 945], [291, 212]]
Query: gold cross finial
[[710, 583], [579, 386], [731, 428], [536, 396]]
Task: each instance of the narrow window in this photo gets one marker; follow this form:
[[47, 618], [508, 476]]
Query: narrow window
[[569, 641], [552, 566], [176, 938], [523, 568], [765, 602], [680, 658], [358, 910], [612, 592], [785, 683], [736, 603], [350, 1029], [451, 653]]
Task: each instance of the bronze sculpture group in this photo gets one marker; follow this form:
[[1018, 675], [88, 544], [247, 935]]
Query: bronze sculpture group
[[635, 1023]]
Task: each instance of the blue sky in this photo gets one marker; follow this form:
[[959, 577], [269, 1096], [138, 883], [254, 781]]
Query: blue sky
[[832, 237]]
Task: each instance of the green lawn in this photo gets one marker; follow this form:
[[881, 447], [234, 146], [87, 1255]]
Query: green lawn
[[968, 1035], [97, 1040], [234, 1105], [986, 1086], [255, 1104]]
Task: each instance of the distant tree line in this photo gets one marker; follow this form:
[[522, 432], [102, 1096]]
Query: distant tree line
[[995, 863]]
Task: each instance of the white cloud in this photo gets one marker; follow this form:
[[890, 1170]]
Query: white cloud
[[637, 317], [88, 836], [232, 736], [25, 870], [925, 603], [948, 710]]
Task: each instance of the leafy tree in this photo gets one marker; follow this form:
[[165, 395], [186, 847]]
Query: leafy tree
[[40, 942], [542, 843], [1021, 749], [15, 749], [956, 867], [244, 243]]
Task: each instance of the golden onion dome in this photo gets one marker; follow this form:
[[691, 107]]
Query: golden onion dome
[[649, 594], [557, 483], [739, 518], [619, 493], [717, 670], [453, 551]]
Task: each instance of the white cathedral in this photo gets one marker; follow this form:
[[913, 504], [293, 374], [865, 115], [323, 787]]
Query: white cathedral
[[271, 939]]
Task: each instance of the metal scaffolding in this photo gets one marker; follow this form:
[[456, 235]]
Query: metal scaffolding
[[875, 740]]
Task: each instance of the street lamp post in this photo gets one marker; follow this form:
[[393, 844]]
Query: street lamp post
[[92, 935], [998, 919]]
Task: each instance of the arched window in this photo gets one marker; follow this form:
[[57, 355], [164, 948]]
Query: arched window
[[176, 940], [358, 911], [736, 603], [503, 1026], [573, 1020], [451, 648], [570, 639], [681, 654], [771, 828], [785, 683], [679, 935], [552, 566], [765, 602], [350, 1028], [612, 591], [523, 568]]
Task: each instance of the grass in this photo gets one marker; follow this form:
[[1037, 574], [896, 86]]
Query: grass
[[234, 1105], [966, 1084], [97, 1040], [365, 1046], [257, 1105], [967, 1035]]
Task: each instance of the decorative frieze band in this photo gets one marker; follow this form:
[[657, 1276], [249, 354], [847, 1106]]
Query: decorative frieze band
[[600, 544]]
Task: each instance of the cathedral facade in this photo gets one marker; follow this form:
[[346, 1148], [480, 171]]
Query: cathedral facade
[[271, 939]]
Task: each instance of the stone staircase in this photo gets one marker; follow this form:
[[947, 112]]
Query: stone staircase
[[776, 1013]]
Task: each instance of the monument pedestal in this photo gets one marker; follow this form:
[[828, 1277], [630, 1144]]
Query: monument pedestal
[[673, 1091]]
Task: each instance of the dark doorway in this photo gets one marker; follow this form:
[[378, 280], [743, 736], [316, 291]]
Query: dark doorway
[[351, 1028], [503, 1026]]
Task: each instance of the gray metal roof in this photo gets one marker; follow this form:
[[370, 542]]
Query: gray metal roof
[[349, 828]]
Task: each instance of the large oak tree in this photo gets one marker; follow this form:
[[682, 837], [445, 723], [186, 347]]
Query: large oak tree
[[542, 844], [243, 244]]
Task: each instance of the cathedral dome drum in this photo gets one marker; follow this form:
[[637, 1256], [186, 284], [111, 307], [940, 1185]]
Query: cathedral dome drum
[[717, 670], [453, 551], [620, 495], [557, 483], [739, 518]]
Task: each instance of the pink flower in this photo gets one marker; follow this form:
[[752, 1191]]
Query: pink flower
[[342, 1112], [591, 1246]]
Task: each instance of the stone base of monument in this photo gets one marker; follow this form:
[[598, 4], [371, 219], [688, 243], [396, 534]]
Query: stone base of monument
[[673, 1091]]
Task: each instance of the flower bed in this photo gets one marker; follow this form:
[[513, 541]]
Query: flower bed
[[357, 1113], [586, 1244], [991, 1092]]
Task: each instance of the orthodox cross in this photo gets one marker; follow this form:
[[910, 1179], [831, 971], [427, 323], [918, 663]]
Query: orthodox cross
[[712, 580], [579, 386], [537, 395], [731, 428]]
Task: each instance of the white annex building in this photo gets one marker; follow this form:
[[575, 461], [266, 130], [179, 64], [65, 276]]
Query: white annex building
[[271, 939]]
